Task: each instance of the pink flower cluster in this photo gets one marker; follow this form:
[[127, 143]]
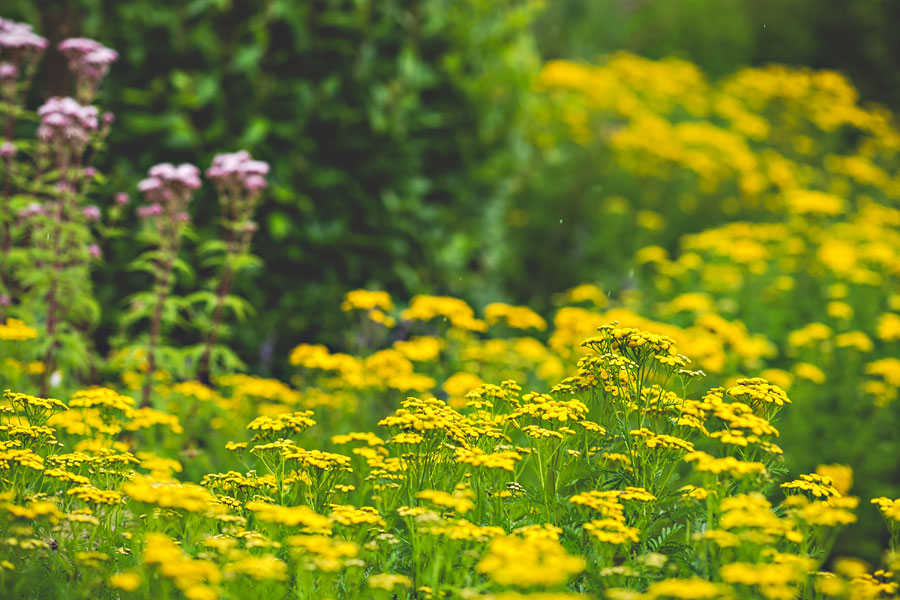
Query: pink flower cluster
[[238, 170], [88, 59], [8, 72], [19, 41], [18, 45], [166, 178], [65, 121], [168, 189]]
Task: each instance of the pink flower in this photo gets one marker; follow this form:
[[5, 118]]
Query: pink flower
[[255, 182], [78, 46], [149, 185], [91, 213], [8, 71], [122, 199], [94, 251], [149, 210], [7, 150], [66, 122], [88, 59], [238, 169], [90, 172], [31, 210], [19, 40], [168, 182]]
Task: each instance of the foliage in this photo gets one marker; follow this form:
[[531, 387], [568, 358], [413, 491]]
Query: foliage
[[624, 476], [722, 36], [392, 132], [640, 152], [748, 222]]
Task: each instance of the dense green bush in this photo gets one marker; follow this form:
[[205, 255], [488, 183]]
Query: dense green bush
[[391, 129]]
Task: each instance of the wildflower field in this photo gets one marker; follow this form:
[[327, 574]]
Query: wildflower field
[[695, 397]]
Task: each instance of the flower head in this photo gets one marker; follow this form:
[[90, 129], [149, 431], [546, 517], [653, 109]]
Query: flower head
[[18, 41], [66, 122], [238, 169], [88, 60]]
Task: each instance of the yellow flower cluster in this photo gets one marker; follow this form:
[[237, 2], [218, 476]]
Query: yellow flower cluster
[[459, 501], [101, 397], [820, 486], [288, 423], [197, 579], [183, 496], [729, 464], [318, 459], [476, 457], [454, 310], [16, 330], [889, 508], [612, 531], [516, 317], [534, 561], [289, 515]]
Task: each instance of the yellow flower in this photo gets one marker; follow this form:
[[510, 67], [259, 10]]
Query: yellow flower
[[127, 581], [459, 384], [350, 515], [854, 339], [684, 589], [388, 581], [367, 300], [101, 397], [189, 497], [821, 486], [691, 491], [829, 513], [497, 460], [16, 330], [286, 423], [839, 310], [841, 476], [197, 579], [529, 562], [889, 327], [811, 202], [260, 568], [516, 317], [889, 508], [289, 515], [420, 349], [454, 310], [586, 292], [460, 501], [809, 372], [728, 464], [612, 531]]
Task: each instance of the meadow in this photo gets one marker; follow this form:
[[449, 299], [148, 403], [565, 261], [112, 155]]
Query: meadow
[[712, 412]]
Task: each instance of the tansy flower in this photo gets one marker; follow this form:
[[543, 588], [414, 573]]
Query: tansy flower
[[388, 581], [529, 562]]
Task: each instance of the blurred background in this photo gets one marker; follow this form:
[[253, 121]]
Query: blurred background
[[402, 134]]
